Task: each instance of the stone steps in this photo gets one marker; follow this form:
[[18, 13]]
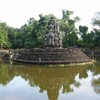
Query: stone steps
[[49, 55]]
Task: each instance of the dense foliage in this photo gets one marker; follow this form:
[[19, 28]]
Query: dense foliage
[[32, 33]]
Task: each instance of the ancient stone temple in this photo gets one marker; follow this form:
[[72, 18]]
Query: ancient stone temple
[[53, 36], [53, 51]]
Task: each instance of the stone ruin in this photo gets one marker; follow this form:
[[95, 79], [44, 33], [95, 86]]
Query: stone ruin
[[53, 36], [53, 51]]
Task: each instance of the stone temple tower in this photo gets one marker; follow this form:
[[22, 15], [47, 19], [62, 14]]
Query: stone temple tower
[[53, 37]]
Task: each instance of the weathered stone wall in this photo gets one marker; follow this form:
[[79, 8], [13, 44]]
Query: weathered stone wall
[[93, 54], [51, 55], [4, 55]]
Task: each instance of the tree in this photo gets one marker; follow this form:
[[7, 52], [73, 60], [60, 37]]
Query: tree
[[3, 36], [40, 29], [96, 19], [96, 31], [96, 37], [91, 39], [67, 25], [18, 43], [83, 32], [25, 32], [12, 35], [30, 43]]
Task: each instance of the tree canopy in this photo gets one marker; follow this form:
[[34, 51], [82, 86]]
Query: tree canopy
[[31, 34]]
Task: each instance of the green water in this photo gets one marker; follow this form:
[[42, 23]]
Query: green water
[[29, 82]]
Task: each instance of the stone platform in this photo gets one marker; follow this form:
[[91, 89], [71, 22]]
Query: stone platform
[[51, 56]]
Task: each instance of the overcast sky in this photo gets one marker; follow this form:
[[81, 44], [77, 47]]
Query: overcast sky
[[17, 12]]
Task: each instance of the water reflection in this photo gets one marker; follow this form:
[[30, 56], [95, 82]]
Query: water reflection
[[96, 84], [54, 81]]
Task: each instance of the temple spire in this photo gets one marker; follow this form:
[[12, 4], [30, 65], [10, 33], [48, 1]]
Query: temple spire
[[53, 36]]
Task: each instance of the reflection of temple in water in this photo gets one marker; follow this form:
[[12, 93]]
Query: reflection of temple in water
[[96, 81], [47, 79], [96, 85]]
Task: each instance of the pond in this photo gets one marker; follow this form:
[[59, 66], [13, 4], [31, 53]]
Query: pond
[[29, 82]]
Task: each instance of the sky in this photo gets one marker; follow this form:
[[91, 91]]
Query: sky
[[17, 12]]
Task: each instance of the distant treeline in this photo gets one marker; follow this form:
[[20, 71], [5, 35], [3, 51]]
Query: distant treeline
[[31, 34]]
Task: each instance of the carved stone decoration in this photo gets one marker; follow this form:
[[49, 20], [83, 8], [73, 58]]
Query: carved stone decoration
[[53, 36]]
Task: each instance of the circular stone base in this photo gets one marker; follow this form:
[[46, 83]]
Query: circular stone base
[[51, 56]]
